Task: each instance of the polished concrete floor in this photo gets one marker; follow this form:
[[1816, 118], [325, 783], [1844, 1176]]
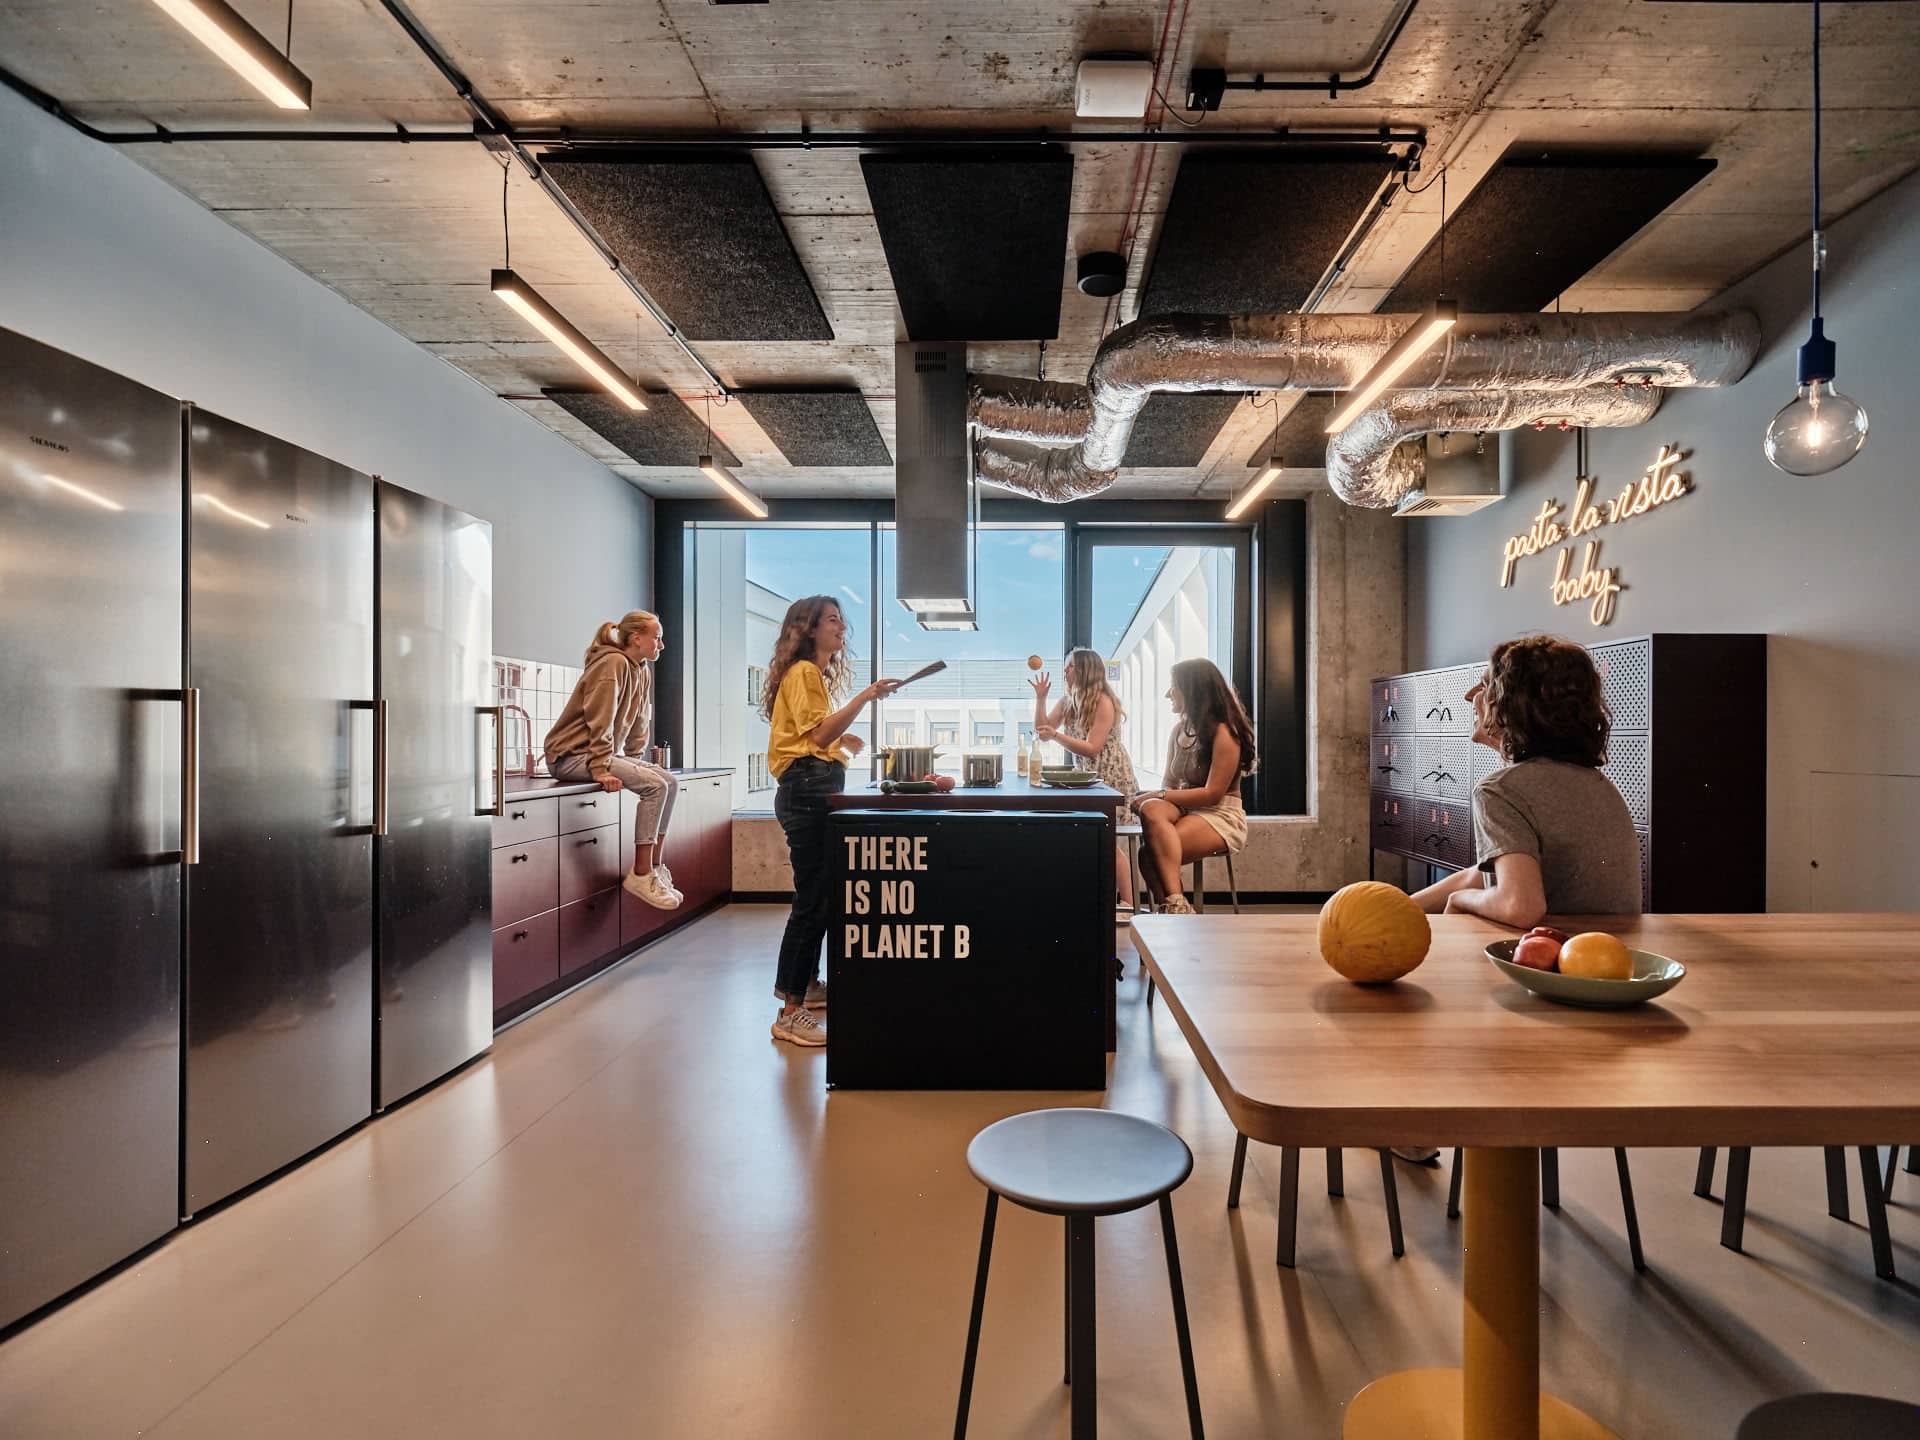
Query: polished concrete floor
[[641, 1217]]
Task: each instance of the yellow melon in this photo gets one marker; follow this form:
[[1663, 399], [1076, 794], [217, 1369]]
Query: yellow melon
[[1372, 933]]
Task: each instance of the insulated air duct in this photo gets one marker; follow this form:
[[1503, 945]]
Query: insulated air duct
[[1063, 442], [1367, 465]]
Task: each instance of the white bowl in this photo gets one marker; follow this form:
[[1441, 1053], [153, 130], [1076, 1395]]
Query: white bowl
[[1652, 975]]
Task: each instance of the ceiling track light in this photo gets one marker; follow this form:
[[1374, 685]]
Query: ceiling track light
[[1819, 429], [1248, 497], [732, 488], [551, 323], [216, 25], [1425, 332]]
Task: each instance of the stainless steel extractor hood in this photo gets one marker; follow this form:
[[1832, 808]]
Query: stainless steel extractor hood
[[936, 506]]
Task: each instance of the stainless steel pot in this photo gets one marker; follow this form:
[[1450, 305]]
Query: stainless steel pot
[[906, 762], [982, 769]]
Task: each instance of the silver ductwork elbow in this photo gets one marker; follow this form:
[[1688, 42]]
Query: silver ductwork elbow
[[1368, 464], [1494, 353]]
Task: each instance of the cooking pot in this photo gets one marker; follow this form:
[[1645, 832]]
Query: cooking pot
[[906, 762], [981, 768]]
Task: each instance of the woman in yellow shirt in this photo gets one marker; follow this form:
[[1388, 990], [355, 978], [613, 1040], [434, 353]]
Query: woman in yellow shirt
[[807, 753]]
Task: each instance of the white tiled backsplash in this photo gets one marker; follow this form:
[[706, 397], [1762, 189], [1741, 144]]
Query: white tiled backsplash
[[541, 689]]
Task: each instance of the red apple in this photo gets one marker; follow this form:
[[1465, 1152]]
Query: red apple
[[945, 782], [1539, 948]]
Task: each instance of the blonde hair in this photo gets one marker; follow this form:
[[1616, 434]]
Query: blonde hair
[[1086, 676], [619, 632]]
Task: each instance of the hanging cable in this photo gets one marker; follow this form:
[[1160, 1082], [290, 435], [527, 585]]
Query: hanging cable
[[289, 46], [1443, 229], [1819, 241], [506, 233]]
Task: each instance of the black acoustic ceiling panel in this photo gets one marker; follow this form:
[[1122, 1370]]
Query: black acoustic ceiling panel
[[700, 232], [1538, 223], [1176, 428], [665, 433], [1300, 440], [1253, 231], [818, 427], [977, 243]]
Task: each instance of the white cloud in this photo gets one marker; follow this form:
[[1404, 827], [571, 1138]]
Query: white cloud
[[1044, 550], [849, 592]]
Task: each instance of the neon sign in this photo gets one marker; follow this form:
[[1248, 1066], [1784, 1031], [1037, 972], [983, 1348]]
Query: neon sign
[[1598, 584]]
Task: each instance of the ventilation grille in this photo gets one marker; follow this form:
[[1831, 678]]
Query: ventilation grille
[[1630, 767], [1626, 676]]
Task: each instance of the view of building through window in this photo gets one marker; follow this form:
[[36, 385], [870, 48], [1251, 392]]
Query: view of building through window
[[1152, 605]]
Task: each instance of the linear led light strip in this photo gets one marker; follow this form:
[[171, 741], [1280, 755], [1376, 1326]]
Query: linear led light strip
[[733, 489], [551, 323], [215, 25], [1254, 491], [1438, 318]]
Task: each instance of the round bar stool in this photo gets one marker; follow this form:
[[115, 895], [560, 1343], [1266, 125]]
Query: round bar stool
[[1832, 1417], [1080, 1164]]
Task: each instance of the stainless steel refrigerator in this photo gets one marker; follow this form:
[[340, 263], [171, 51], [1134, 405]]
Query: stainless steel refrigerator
[[90, 880], [438, 776], [280, 904]]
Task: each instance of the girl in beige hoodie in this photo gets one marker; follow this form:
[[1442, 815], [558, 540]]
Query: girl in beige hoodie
[[602, 735]]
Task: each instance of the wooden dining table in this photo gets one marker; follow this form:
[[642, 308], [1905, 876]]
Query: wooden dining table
[[1787, 1030]]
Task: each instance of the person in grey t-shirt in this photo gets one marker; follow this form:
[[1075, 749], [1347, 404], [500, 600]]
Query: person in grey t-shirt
[[1550, 832]]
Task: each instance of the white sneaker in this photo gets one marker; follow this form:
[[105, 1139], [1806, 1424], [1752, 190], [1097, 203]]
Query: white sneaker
[[816, 996], [648, 888], [666, 878], [801, 1027]]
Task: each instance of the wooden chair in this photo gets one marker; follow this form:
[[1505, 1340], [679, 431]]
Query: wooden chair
[[1550, 1194]]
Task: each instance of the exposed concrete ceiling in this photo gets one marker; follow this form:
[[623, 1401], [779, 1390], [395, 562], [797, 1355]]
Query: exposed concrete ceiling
[[409, 233]]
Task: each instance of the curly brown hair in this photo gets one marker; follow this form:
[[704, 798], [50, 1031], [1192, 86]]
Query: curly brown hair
[[1545, 701], [795, 642]]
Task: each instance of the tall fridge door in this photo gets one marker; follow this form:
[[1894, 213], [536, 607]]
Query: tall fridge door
[[435, 955], [280, 906], [90, 571]]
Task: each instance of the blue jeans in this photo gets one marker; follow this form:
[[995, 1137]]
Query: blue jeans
[[800, 804]]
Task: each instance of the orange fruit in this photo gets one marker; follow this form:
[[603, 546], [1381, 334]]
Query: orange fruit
[[1596, 955]]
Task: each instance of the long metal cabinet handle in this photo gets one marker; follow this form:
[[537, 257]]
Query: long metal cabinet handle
[[380, 767], [190, 776], [499, 714]]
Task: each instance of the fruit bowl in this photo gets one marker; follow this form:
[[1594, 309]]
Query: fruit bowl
[[1652, 975]]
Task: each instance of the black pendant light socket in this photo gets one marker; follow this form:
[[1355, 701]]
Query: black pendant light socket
[[1103, 274]]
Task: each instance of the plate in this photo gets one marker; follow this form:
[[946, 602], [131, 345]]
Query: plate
[[1071, 779], [1652, 975]]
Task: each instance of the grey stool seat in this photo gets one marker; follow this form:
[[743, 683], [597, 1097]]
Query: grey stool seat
[[1832, 1417], [1080, 1164]]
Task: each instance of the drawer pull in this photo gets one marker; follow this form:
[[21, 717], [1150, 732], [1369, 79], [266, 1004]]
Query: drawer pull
[[594, 803], [518, 815], [515, 859], [591, 840], [519, 935]]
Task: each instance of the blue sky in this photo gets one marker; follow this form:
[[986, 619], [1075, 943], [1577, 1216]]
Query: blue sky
[[1020, 600]]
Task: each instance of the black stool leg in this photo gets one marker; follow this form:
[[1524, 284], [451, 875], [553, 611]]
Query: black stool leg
[[1626, 1206], [1836, 1159], [1392, 1190], [1876, 1212], [1453, 1186], [1733, 1215], [1703, 1176], [1180, 1317], [1066, 1279], [1149, 991], [1085, 1406], [1913, 1159], [1893, 1168], [973, 1325], [1289, 1205], [1336, 1173], [1550, 1178], [1239, 1168]]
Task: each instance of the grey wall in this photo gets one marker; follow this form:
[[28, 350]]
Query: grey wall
[[1825, 566], [109, 262]]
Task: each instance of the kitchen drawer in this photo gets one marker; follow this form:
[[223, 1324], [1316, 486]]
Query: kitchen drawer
[[589, 861], [526, 880], [588, 812], [1389, 821], [526, 955], [526, 820], [589, 929], [639, 920], [1390, 764]]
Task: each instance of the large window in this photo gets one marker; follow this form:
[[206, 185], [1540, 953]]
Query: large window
[[1143, 596]]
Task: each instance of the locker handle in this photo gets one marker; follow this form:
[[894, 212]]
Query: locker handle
[[190, 776], [499, 806]]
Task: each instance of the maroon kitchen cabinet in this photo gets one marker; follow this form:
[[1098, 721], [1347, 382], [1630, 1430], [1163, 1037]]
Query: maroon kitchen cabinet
[[560, 852]]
